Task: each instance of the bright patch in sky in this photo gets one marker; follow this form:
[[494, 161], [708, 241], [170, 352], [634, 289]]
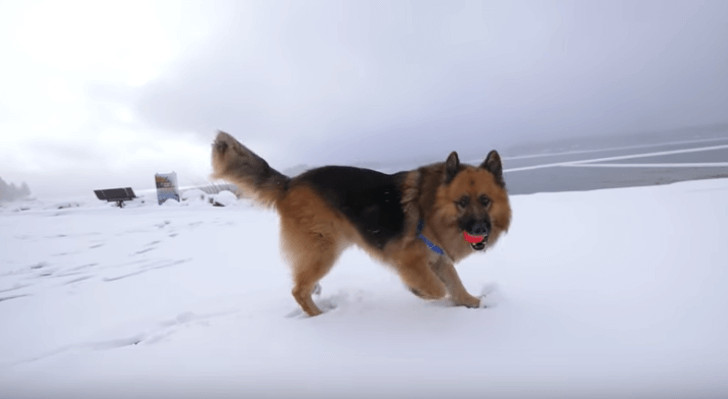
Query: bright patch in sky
[[59, 56], [121, 42]]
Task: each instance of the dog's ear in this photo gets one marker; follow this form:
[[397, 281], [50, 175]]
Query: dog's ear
[[452, 166], [493, 165]]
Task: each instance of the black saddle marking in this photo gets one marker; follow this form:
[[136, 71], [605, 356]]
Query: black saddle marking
[[370, 200]]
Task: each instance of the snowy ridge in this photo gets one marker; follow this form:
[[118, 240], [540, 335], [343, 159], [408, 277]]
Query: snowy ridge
[[606, 293]]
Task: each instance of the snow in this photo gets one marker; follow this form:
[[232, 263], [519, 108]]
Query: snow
[[607, 293]]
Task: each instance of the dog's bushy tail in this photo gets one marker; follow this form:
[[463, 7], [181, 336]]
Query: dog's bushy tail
[[236, 163]]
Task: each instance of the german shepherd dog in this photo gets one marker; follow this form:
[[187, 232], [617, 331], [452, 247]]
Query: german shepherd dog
[[421, 222]]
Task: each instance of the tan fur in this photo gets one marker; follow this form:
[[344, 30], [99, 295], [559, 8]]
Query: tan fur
[[313, 234]]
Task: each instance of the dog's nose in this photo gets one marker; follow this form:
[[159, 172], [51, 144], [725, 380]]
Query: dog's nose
[[481, 229]]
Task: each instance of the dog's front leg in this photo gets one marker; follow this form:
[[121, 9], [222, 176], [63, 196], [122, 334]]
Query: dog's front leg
[[446, 272], [420, 278]]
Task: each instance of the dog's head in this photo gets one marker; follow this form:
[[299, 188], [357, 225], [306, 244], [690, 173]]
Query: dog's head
[[474, 199]]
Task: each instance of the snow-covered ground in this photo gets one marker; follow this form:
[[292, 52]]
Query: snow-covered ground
[[607, 293]]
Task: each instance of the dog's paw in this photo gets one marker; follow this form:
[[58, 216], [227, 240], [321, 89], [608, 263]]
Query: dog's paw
[[468, 301], [489, 296], [484, 303]]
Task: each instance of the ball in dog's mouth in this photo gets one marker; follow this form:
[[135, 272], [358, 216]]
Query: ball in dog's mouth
[[477, 242]]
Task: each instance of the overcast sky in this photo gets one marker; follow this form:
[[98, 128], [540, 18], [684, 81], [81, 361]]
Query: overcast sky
[[103, 94]]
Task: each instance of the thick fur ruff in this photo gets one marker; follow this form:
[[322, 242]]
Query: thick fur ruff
[[325, 210]]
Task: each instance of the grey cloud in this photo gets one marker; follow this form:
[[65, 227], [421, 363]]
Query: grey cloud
[[364, 81]]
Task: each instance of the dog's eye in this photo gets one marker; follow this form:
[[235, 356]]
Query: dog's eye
[[485, 201], [463, 201]]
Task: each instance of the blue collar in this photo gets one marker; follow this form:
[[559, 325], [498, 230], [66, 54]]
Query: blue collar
[[430, 244]]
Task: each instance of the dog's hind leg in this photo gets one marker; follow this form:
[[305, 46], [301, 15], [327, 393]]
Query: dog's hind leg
[[312, 251], [308, 269], [312, 237]]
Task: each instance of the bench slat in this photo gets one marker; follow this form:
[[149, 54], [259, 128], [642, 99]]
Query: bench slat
[[115, 194]]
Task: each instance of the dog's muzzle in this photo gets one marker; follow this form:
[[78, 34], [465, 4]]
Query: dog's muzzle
[[477, 242], [479, 246]]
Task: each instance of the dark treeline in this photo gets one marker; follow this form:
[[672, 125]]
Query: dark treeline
[[9, 192]]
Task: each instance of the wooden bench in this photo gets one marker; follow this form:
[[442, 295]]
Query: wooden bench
[[118, 195]]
